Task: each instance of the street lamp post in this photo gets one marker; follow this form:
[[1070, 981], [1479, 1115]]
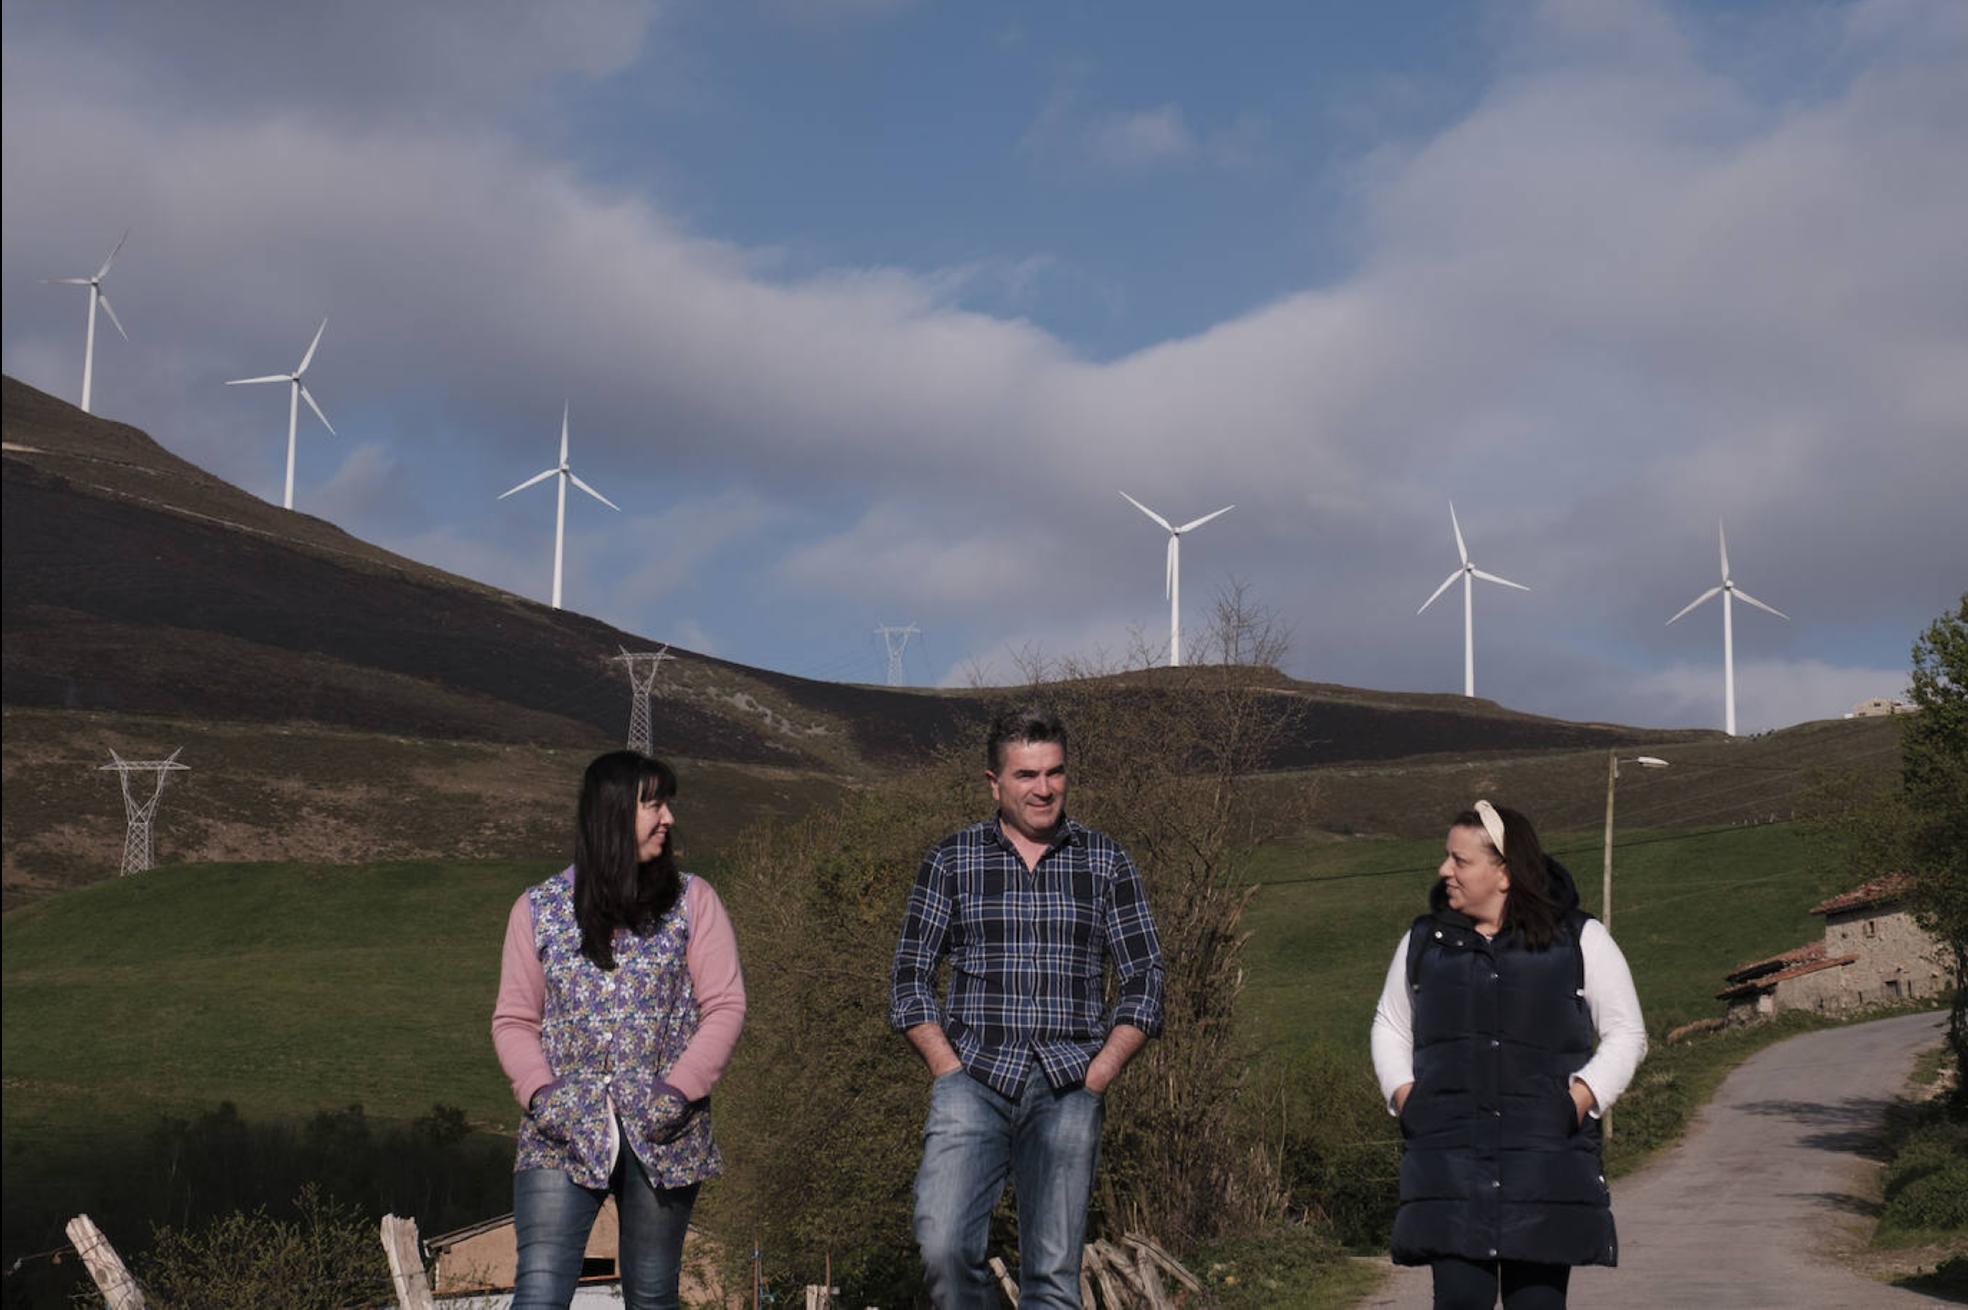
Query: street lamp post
[[1613, 763]]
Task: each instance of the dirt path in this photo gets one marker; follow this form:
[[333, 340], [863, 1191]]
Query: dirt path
[[1771, 1175]]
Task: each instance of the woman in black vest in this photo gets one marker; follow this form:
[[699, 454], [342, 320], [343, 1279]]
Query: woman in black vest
[[1508, 1025]]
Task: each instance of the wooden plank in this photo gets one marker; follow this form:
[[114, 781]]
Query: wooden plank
[[1006, 1283], [1151, 1283], [406, 1264], [1170, 1265], [1112, 1290], [106, 1267], [1086, 1284]]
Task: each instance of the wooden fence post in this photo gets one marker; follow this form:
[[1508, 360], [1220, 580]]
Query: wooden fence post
[[406, 1264], [104, 1265]]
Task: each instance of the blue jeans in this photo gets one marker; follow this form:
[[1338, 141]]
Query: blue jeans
[[1049, 1142], [551, 1219]]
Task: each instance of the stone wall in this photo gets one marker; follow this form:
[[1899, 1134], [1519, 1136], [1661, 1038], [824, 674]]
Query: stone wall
[[1897, 961]]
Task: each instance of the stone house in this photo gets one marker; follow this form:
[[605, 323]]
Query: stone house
[[1872, 953]]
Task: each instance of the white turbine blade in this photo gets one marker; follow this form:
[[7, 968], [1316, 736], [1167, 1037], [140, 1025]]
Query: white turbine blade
[[1168, 569], [1166, 525], [104, 302], [1193, 524], [1768, 609], [1446, 583], [1491, 577], [309, 357], [536, 478], [563, 434], [271, 377], [103, 272], [317, 411], [1722, 537], [575, 478], [1706, 595], [68, 281], [1461, 549]]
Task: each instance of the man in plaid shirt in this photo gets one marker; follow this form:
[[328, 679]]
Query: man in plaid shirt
[[1029, 906]]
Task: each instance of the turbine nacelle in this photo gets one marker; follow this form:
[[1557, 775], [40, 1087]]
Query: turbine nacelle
[[1172, 569], [1730, 593], [1466, 572], [300, 393], [564, 472]]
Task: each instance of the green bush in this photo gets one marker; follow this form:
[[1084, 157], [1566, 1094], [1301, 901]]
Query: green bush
[[1937, 1198], [327, 1257], [1285, 1265], [1338, 1149]]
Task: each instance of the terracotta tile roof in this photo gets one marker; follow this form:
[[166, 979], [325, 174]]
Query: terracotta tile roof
[[1805, 954], [1877, 892], [1769, 981]]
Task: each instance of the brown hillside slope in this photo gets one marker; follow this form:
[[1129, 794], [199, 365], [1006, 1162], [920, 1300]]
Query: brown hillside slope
[[146, 603]]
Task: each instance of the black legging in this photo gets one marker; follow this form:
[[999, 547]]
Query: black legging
[[1472, 1284]]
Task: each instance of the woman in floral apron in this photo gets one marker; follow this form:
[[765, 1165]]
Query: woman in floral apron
[[620, 999]]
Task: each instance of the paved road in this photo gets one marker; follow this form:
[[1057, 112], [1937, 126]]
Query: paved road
[[1771, 1172]]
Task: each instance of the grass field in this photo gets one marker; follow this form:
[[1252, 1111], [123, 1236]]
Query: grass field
[[291, 989], [1687, 908]]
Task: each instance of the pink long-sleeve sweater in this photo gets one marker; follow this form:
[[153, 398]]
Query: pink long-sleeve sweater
[[711, 956]]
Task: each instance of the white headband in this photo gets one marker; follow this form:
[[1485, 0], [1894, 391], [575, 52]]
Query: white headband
[[1492, 823]]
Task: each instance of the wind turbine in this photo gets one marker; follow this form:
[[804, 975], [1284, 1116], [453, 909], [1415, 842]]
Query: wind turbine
[[566, 476], [1730, 593], [1172, 582], [294, 399], [1468, 573], [96, 297]]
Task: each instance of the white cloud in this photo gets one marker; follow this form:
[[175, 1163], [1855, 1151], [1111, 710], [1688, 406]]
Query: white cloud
[[1144, 138], [1769, 693], [1621, 297]]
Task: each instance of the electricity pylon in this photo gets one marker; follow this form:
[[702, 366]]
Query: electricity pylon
[[136, 837], [642, 667], [897, 641]]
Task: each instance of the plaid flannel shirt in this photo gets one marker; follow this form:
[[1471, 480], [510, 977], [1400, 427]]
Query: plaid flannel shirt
[[1028, 950]]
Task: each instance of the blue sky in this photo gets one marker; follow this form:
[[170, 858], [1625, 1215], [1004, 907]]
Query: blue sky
[[865, 310]]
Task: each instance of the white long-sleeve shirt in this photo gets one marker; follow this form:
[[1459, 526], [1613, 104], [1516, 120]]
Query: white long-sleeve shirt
[[1609, 995]]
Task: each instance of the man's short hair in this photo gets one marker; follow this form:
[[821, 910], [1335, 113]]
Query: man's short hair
[[1027, 723]]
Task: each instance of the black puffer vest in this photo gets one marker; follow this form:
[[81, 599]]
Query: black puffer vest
[[1495, 1165]]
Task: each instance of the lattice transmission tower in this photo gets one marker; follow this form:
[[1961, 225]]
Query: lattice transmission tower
[[136, 837], [897, 641], [643, 667]]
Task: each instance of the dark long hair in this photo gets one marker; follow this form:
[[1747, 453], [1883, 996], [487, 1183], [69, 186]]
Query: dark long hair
[[612, 889], [1529, 907]]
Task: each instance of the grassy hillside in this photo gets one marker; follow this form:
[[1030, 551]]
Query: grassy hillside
[[290, 989], [1687, 907], [260, 793]]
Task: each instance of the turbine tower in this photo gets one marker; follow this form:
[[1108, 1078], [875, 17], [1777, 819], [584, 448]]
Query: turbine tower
[[642, 667], [136, 837], [1468, 573], [897, 641], [566, 475], [1172, 580], [297, 393], [96, 297], [1730, 593]]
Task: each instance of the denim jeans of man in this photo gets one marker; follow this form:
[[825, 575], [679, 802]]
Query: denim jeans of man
[[1049, 1143], [551, 1220]]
